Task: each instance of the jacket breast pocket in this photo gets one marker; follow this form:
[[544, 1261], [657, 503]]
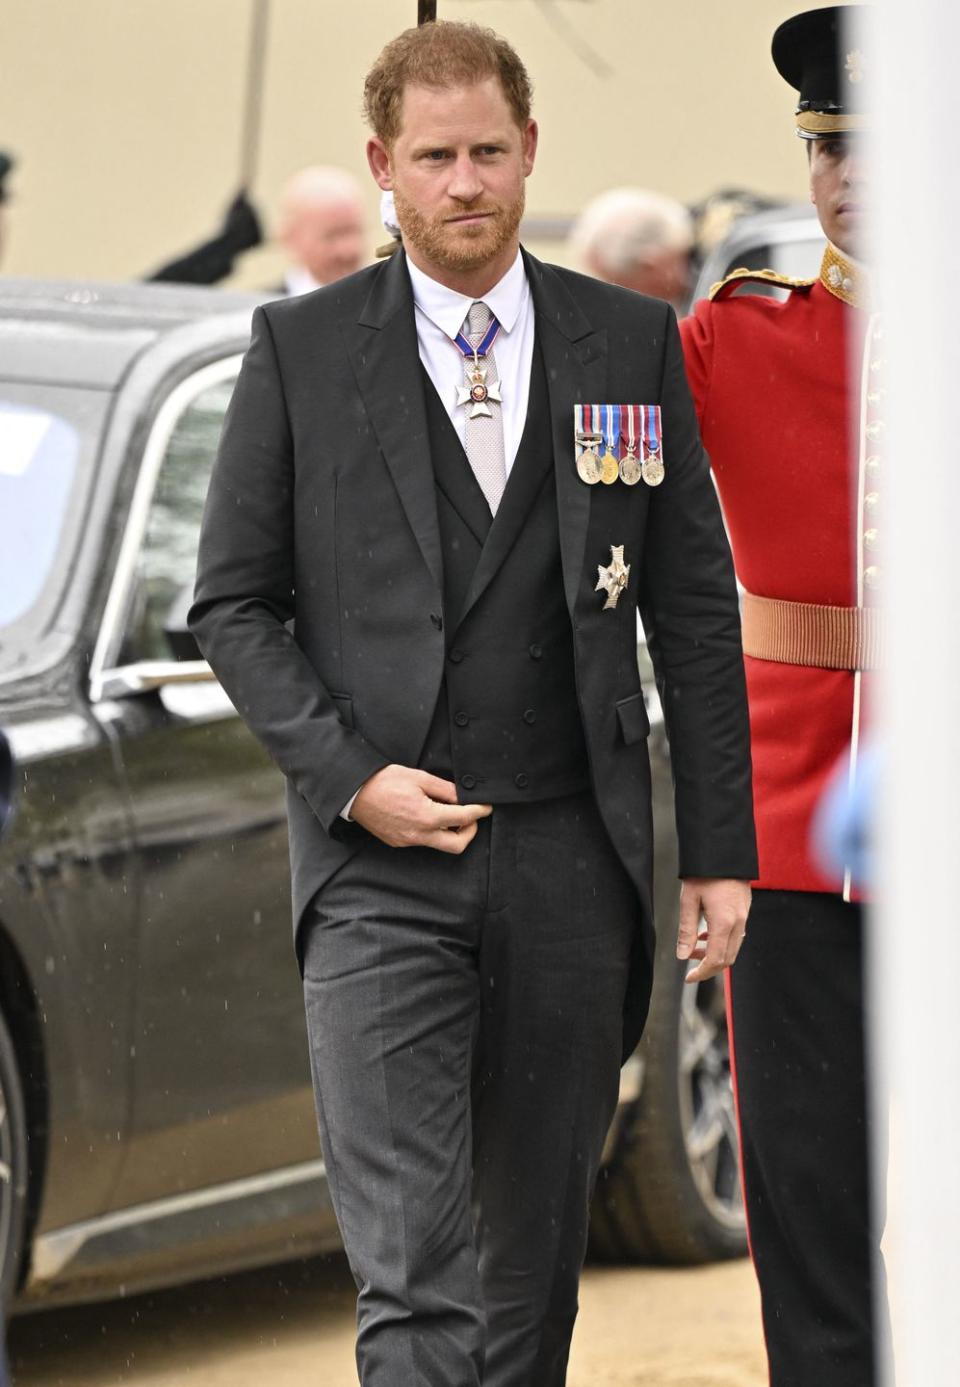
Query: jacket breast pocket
[[344, 706], [632, 716]]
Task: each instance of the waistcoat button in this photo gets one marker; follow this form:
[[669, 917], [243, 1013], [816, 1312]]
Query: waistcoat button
[[536, 651], [468, 781], [456, 655], [461, 719], [521, 781], [529, 715]]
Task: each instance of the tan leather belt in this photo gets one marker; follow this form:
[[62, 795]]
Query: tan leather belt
[[802, 633]]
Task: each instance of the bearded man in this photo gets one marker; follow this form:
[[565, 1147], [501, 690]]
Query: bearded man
[[422, 475]]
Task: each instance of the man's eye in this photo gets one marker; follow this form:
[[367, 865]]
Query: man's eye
[[435, 155]]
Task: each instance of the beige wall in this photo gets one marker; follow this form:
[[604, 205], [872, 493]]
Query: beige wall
[[125, 115]]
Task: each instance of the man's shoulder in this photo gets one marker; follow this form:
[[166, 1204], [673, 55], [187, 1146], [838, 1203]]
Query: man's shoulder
[[741, 308]]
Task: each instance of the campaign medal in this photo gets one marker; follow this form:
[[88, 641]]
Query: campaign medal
[[630, 466], [475, 391], [587, 440], [614, 578], [609, 465], [652, 470]]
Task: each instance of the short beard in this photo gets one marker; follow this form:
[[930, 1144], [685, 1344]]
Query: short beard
[[438, 245]]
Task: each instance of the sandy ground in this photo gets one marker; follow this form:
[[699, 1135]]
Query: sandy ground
[[294, 1325]]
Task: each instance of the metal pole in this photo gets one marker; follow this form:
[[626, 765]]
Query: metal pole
[[914, 983], [253, 100], [426, 11]]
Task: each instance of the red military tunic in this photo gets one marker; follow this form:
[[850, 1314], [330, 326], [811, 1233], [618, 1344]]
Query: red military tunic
[[777, 392]]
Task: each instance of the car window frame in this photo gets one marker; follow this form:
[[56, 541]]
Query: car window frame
[[109, 678]]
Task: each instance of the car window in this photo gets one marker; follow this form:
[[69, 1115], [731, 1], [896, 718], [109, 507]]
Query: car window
[[49, 442], [38, 464], [167, 561]]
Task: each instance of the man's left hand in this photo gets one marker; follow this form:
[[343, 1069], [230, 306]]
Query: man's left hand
[[713, 922]]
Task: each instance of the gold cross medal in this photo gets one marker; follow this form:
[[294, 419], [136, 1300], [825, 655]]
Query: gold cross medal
[[614, 578]]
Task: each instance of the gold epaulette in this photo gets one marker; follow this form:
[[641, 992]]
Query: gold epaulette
[[725, 287]]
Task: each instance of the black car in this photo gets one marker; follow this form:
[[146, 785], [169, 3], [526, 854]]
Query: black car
[[156, 1114]]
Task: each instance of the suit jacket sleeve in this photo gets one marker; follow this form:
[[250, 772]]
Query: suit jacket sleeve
[[244, 595], [690, 611], [696, 334]]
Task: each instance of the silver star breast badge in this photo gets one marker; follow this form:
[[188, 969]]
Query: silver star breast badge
[[476, 392], [614, 578]]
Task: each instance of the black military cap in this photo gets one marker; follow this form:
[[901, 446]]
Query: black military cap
[[6, 164], [816, 53]]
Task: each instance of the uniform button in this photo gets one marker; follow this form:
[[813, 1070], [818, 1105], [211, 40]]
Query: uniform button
[[875, 429], [455, 656], [461, 719], [437, 620], [871, 500], [468, 781], [536, 651], [521, 781], [870, 538], [872, 465], [529, 715], [871, 576]]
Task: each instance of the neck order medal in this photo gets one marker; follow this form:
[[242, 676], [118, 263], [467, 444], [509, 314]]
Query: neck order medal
[[475, 391]]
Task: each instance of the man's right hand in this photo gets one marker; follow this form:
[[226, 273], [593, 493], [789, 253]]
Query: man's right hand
[[407, 808]]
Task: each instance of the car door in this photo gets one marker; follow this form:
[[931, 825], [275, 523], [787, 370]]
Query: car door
[[221, 1073]]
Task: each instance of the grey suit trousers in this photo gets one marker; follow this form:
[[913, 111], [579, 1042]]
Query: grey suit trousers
[[464, 1019]]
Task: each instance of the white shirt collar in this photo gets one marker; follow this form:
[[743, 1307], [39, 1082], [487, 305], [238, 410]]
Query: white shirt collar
[[299, 280], [447, 309]]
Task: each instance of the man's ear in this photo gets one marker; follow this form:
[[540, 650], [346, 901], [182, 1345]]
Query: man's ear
[[378, 157], [530, 136]]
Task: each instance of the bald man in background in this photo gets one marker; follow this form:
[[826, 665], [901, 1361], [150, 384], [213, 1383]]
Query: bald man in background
[[322, 227], [638, 239]]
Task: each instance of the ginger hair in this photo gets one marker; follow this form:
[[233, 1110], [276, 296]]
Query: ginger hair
[[440, 55]]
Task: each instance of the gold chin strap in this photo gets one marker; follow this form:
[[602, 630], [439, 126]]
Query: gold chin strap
[[844, 278], [816, 125]]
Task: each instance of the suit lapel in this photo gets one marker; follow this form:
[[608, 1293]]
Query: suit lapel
[[575, 358], [453, 474], [531, 466], [385, 357]]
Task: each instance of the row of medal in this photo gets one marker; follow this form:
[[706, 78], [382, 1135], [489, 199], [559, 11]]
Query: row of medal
[[618, 442]]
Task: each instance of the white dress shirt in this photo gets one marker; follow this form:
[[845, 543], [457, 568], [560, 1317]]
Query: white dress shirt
[[299, 280], [440, 314]]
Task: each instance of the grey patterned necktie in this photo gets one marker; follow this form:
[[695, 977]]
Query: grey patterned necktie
[[485, 451]]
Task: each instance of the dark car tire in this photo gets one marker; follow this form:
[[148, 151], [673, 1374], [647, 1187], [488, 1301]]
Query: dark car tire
[[13, 1168], [649, 1206]]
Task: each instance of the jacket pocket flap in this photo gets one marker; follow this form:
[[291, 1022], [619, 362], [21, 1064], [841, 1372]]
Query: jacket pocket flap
[[344, 705], [634, 723]]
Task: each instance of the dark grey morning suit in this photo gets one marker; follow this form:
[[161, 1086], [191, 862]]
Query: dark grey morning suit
[[466, 1014]]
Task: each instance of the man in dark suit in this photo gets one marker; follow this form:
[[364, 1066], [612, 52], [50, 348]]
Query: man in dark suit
[[421, 596]]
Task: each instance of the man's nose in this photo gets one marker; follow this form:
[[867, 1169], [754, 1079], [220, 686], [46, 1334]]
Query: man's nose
[[853, 170], [465, 182]]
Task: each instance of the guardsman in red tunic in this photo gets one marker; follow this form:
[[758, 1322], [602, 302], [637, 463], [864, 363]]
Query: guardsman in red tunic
[[790, 403]]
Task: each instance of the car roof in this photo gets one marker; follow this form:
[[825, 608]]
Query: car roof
[[88, 334]]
